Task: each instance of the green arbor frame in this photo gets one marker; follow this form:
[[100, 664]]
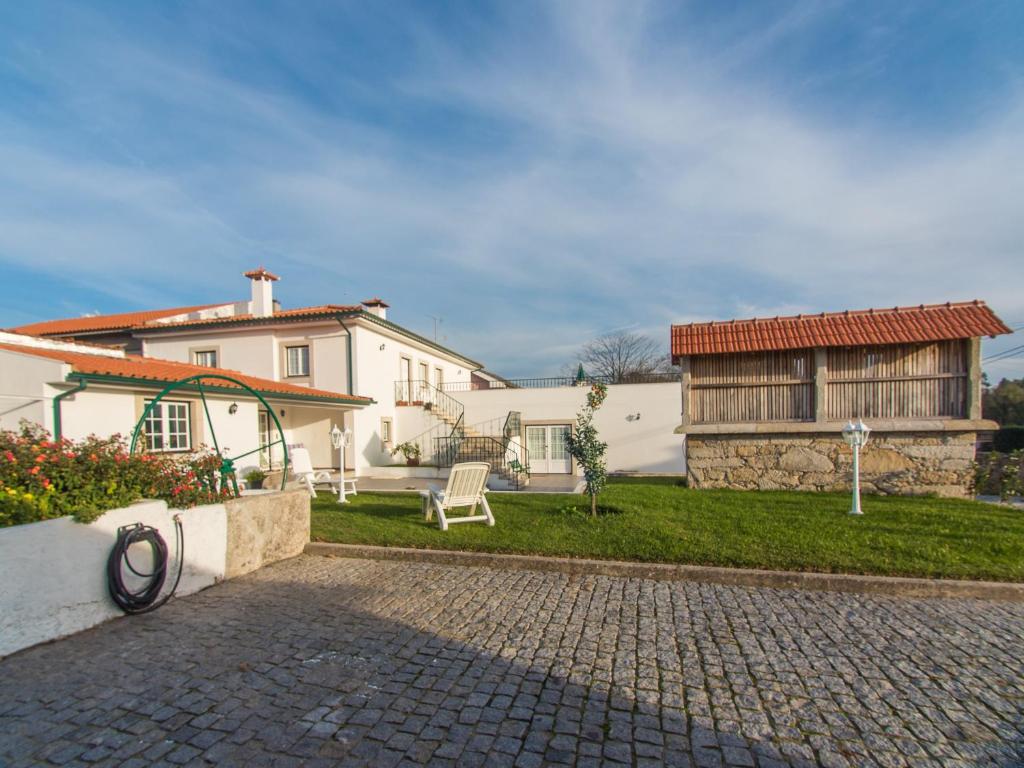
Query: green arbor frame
[[227, 464]]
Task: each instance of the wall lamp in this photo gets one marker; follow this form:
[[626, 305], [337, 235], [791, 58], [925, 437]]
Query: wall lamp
[[233, 409], [633, 416], [382, 347]]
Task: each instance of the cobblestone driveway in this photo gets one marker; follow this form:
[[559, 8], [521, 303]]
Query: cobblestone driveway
[[320, 661]]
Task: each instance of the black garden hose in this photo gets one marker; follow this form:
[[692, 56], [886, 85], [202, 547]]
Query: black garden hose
[[143, 599]]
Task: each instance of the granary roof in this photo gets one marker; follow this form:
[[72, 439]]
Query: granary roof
[[865, 327]]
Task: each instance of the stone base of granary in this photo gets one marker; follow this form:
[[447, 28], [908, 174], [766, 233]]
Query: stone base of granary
[[907, 463]]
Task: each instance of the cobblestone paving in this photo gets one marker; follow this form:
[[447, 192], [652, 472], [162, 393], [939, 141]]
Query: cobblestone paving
[[322, 661]]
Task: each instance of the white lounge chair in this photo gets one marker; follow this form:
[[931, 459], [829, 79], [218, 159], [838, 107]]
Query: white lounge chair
[[467, 486], [302, 470]]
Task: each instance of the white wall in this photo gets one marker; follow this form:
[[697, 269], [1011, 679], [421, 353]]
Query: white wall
[[53, 573], [98, 411], [376, 371], [24, 390], [648, 444], [252, 351]]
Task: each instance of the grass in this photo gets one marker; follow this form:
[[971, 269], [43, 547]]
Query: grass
[[656, 520]]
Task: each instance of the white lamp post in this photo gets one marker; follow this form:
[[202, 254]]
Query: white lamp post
[[856, 436], [341, 439]]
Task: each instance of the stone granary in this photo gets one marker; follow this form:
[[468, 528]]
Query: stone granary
[[764, 400]]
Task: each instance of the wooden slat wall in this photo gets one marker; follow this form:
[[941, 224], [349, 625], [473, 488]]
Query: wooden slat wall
[[910, 381], [769, 386]]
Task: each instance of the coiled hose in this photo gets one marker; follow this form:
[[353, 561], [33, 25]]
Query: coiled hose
[[143, 599]]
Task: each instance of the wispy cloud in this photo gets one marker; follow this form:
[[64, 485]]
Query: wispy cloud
[[531, 174]]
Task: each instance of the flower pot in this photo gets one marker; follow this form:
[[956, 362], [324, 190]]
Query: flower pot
[[412, 461], [255, 484]]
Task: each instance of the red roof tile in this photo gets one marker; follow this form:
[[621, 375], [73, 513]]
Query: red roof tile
[[867, 327], [149, 369], [260, 274], [286, 314], [95, 323]]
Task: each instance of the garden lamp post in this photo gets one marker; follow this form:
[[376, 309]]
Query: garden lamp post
[[341, 439], [856, 436]]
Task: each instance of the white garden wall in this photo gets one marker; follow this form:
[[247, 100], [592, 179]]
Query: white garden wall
[[53, 578], [647, 444]]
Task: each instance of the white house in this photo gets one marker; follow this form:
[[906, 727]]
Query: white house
[[75, 390], [336, 348]]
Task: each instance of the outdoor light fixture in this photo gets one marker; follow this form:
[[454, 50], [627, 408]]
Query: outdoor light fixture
[[233, 409], [856, 436], [341, 439], [382, 347]]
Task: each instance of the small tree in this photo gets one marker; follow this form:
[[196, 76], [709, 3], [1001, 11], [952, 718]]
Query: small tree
[[587, 449]]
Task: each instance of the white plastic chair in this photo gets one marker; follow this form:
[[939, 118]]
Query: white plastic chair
[[302, 470], [466, 488]]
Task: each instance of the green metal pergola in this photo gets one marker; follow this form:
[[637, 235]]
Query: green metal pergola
[[227, 464]]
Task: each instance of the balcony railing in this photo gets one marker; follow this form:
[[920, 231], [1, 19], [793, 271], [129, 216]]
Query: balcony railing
[[561, 381]]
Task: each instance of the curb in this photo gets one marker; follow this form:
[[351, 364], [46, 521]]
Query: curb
[[739, 577]]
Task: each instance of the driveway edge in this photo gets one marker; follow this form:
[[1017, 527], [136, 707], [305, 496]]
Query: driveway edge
[[738, 577]]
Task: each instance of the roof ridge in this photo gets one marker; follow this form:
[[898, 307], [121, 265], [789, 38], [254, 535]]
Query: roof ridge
[[838, 313]]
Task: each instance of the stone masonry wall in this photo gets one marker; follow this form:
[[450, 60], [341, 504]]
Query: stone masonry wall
[[892, 463]]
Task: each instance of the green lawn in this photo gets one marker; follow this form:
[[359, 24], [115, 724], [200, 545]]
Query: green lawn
[[659, 521]]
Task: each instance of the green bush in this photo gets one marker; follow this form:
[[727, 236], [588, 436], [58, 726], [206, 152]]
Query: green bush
[[41, 479], [1008, 439]]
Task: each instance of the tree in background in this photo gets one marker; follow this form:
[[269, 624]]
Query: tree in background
[[587, 449], [617, 357], [1004, 403]]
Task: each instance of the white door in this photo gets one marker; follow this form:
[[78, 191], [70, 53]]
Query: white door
[[424, 383], [549, 453], [406, 393]]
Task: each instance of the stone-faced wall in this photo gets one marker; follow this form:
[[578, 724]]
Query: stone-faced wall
[[892, 463], [265, 528]]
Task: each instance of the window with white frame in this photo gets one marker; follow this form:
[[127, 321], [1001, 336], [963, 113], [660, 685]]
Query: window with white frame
[[385, 431], [205, 357], [168, 426], [297, 360]]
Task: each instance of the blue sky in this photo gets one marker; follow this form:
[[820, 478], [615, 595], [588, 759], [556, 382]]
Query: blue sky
[[534, 173]]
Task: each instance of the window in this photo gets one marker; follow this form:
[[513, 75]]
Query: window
[[205, 357], [297, 360], [168, 427], [385, 432]]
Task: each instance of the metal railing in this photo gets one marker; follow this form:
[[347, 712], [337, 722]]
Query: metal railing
[[425, 394], [561, 381], [507, 458]]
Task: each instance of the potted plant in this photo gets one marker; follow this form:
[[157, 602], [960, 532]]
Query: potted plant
[[412, 453], [254, 478]]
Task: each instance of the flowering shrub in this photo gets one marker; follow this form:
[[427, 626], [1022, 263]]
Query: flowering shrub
[[42, 478]]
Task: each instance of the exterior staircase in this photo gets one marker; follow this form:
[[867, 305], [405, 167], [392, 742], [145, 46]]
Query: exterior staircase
[[452, 441]]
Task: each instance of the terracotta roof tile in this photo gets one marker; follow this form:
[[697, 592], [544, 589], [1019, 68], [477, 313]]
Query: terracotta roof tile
[[117, 322], [867, 327], [260, 274], [151, 369], [286, 314]]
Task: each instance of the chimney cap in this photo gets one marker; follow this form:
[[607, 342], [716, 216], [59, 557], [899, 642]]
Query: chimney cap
[[376, 301], [261, 274]]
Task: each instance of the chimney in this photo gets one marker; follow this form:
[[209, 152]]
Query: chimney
[[262, 304], [376, 306]]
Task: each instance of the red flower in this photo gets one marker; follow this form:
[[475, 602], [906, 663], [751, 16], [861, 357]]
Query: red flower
[[40, 459], [10, 457], [34, 471]]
